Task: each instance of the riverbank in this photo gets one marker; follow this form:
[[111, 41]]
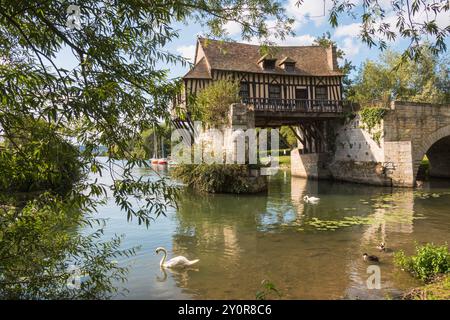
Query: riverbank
[[439, 289]]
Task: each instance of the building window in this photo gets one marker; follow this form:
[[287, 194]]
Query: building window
[[268, 64], [289, 66], [244, 91], [321, 93], [274, 91]]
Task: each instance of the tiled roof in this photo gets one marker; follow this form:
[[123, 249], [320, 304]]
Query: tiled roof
[[234, 56], [199, 71], [286, 60]]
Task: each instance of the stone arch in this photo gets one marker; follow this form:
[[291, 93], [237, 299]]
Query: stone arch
[[426, 144]]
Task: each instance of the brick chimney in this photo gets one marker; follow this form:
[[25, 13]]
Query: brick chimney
[[332, 57]]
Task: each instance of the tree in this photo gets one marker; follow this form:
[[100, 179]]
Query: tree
[[145, 147], [40, 254], [213, 103], [116, 89], [416, 21], [289, 137], [423, 80], [36, 160]]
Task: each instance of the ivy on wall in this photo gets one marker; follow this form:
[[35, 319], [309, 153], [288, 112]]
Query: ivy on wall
[[371, 119]]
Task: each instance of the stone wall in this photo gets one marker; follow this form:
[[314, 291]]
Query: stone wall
[[312, 165], [358, 157], [241, 116], [353, 143], [370, 172], [408, 132]]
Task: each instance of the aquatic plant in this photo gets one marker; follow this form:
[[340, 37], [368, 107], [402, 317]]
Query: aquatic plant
[[267, 290], [326, 225], [427, 195]]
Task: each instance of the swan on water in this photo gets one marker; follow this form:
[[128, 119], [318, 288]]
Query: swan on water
[[175, 262], [309, 199]]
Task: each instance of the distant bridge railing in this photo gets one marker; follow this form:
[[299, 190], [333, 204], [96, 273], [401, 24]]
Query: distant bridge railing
[[297, 105]]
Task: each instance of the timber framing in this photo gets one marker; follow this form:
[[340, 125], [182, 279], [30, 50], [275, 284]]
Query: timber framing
[[315, 68]]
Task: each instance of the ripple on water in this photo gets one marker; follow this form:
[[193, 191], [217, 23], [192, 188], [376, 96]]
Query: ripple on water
[[242, 240]]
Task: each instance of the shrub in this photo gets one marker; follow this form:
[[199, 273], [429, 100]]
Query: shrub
[[428, 262], [218, 178], [37, 159], [212, 103]]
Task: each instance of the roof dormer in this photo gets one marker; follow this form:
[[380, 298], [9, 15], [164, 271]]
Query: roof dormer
[[287, 64], [267, 62]]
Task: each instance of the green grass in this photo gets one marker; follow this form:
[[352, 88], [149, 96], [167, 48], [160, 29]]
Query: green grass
[[283, 160]]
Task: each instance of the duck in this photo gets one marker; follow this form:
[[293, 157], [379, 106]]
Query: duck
[[366, 257], [381, 247], [309, 199], [176, 262]]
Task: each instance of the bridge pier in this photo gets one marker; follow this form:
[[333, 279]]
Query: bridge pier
[[392, 157], [389, 155], [310, 165]]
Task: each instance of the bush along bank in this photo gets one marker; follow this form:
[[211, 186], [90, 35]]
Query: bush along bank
[[221, 178], [430, 264]]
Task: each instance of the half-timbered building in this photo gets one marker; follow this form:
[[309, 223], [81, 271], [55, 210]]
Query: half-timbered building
[[287, 78]]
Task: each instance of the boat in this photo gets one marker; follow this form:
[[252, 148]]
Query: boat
[[162, 161], [154, 160], [172, 163]]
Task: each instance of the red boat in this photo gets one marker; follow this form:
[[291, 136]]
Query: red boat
[[163, 161]]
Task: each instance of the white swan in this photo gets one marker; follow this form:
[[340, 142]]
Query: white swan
[[309, 199], [175, 262]]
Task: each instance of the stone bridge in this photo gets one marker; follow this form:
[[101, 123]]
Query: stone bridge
[[412, 130], [331, 147], [407, 133]]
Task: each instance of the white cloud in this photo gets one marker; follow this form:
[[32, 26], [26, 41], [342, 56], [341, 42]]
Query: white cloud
[[350, 47], [308, 10], [232, 28], [187, 52], [302, 40], [348, 30]]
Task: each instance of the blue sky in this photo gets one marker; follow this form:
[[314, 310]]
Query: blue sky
[[310, 22]]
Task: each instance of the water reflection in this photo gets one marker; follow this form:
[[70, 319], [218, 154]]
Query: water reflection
[[241, 240], [308, 251]]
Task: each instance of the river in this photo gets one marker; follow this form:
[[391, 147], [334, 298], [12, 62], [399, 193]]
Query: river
[[308, 251]]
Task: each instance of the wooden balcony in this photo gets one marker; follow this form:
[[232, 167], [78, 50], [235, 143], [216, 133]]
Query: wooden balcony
[[295, 105], [270, 112]]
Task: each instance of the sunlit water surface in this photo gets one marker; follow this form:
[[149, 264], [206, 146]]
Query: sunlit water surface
[[307, 251]]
